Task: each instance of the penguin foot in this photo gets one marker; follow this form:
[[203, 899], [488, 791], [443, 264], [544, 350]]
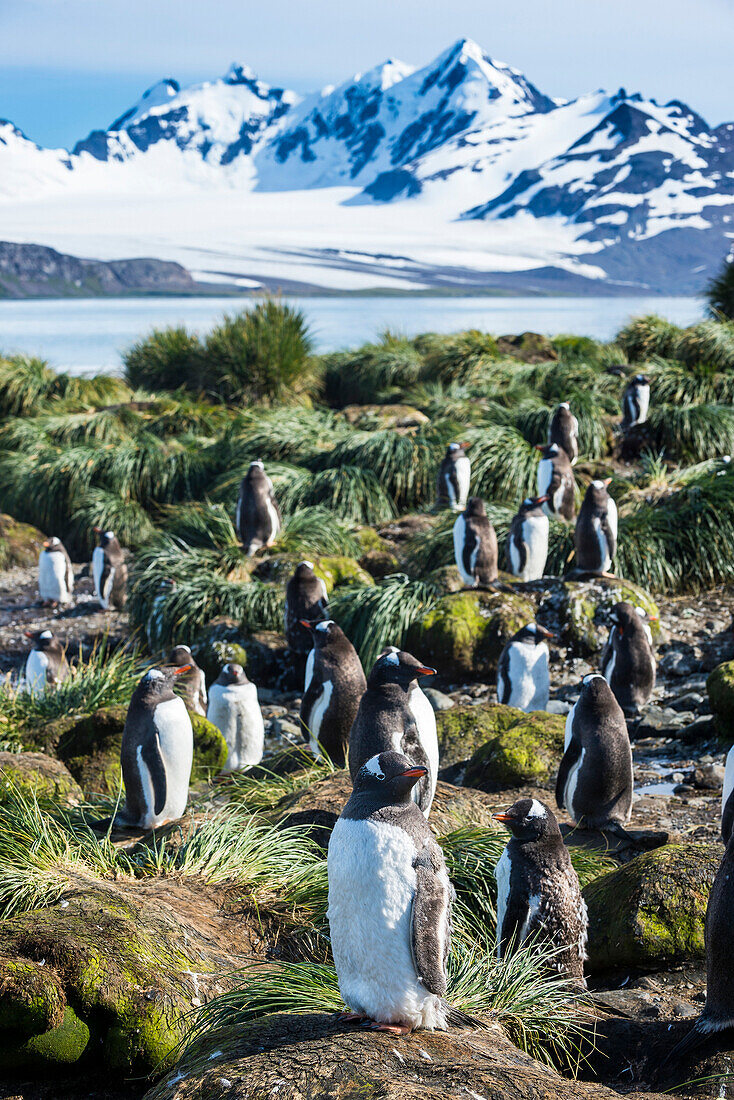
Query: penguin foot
[[352, 1018], [391, 1029]]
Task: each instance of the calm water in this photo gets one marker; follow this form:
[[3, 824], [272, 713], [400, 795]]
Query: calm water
[[90, 335]]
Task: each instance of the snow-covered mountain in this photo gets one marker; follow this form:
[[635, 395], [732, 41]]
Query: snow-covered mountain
[[459, 173]]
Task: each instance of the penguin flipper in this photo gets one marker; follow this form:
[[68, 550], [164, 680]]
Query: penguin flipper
[[516, 916], [150, 754], [309, 701], [430, 925], [570, 756], [468, 553], [504, 687]]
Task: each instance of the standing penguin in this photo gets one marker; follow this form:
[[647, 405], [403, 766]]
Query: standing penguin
[[556, 482], [391, 715], [45, 664], [389, 902], [334, 685], [595, 777], [527, 540], [109, 571], [564, 430], [258, 515], [595, 536], [538, 890], [523, 678], [454, 475], [628, 659], [192, 681], [475, 545], [305, 598], [635, 402], [55, 573], [157, 753], [727, 801], [235, 711]]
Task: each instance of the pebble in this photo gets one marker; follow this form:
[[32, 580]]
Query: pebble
[[692, 700], [438, 700], [283, 728], [677, 662]]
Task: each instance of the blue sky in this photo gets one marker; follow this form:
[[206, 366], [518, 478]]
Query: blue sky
[[68, 66]]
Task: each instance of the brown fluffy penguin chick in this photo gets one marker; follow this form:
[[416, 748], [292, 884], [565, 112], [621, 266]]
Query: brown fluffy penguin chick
[[628, 659], [109, 571], [538, 890], [475, 545], [46, 663], [258, 516], [305, 599], [595, 535]]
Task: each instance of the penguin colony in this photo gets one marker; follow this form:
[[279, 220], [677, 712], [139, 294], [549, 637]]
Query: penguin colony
[[389, 893]]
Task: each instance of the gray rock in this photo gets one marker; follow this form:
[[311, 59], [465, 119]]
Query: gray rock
[[692, 700], [700, 730], [678, 662], [663, 722], [283, 728], [709, 777], [558, 706]]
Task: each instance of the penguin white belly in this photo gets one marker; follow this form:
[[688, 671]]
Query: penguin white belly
[[544, 477], [643, 400], [318, 711], [529, 676], [459, 539], [201, 689], [463, 476], [612, 517], [97, 569], [535, 536], [235, 711], [52, 577], [36, 670], [176, 740], [571, 784], [425, 720], [372, 884], [608, 668], [534, 902], [728, 779], [274, 523], [514, 555], [568, 732], [310, 661], [502, 874], [604, 555]]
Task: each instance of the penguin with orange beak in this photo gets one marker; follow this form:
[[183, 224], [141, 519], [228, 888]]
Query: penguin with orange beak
[[595, 536]]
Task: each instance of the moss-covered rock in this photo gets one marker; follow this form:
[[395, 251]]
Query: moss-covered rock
[[464, 633], [720, 687], [35, 773], [20, 544], [501, 746], [379, 563], [210, 749], [59, 1046], [651, 911], [586, 608], [219, 642], [339, 570], [529, 347]]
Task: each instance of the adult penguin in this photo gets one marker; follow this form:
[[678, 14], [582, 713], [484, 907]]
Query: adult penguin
[[46, 663], [556, 482], [55, 573], [475, 545], [523, 677], [454, 476], [595, 777], [595, 535], [635, 402], [727, 798], [235, 711], [305, 598], [628, 659], [389, 902], [335, 683], [192, 681], [538, 890], [258, 515], [157, 753], [109, 571], [388, 718], [527, 540], [564, 430]]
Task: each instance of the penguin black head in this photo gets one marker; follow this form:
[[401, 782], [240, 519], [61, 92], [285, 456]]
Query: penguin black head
[[550, 451], [475, 507], [626, 616], [598, 495], [181, 655], [564, 405], [157, 683], [596, 691], [534, 634], [395, 666], [324, 632], [388, 777], [529, 819], [304, 571], [256, 471], [618, 370], [641, 380], [105, 537], [232, 673], [42, 639], [533, 502], [456, 450]]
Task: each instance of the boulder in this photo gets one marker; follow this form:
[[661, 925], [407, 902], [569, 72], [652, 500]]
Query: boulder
[[20, 544], [651, 912], [493, 747], [463, 634], [210, 749], [720, 688], [379, 563], [35, 773], [586, 607], [529, 347]]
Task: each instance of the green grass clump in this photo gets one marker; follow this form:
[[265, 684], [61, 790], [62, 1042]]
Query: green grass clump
[[404, 465], [645, 337], [374, 374], [166, 359], [720, 292], [316, 531], [379, 615], [460, 358], [693, 433]]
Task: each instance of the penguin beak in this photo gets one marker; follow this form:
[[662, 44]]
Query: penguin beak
[[503, 817], [542, 500], [46, 544], [414, 773], [306, 623], [547, 634], [424, 670], [607, 482], [539, 446], [97, 530], [181, 669], [465, 446], [28, 633]]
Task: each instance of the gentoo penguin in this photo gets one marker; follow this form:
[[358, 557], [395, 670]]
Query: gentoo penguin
[[475, 545], [727, 802], [45, 664], [157, 753], [258, 516], [109, 571], [234, 709], [305, 598], [556, 482], [595, 536], [193, 682], [55, 573], [454, 475], [718, 1014], [523, 679], [389, 902], [334, 685], [392, 715], [527, 540], [564, 430], [595, 777], [628, 659], [635, 402], [538, 891]]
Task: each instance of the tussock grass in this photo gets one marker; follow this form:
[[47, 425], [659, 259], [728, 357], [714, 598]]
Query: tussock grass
[[462, 357], [262, 792], [374, 374], [316, 531], [380, 615], [645, 337], [352, 493], [693, 433], [504, 464], [404, 465]]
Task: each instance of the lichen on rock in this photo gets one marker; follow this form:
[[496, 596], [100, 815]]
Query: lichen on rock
[[586, 608], [494, 746], [40, 776]]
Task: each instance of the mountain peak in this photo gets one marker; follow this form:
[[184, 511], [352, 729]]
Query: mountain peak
[[156, 96]]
